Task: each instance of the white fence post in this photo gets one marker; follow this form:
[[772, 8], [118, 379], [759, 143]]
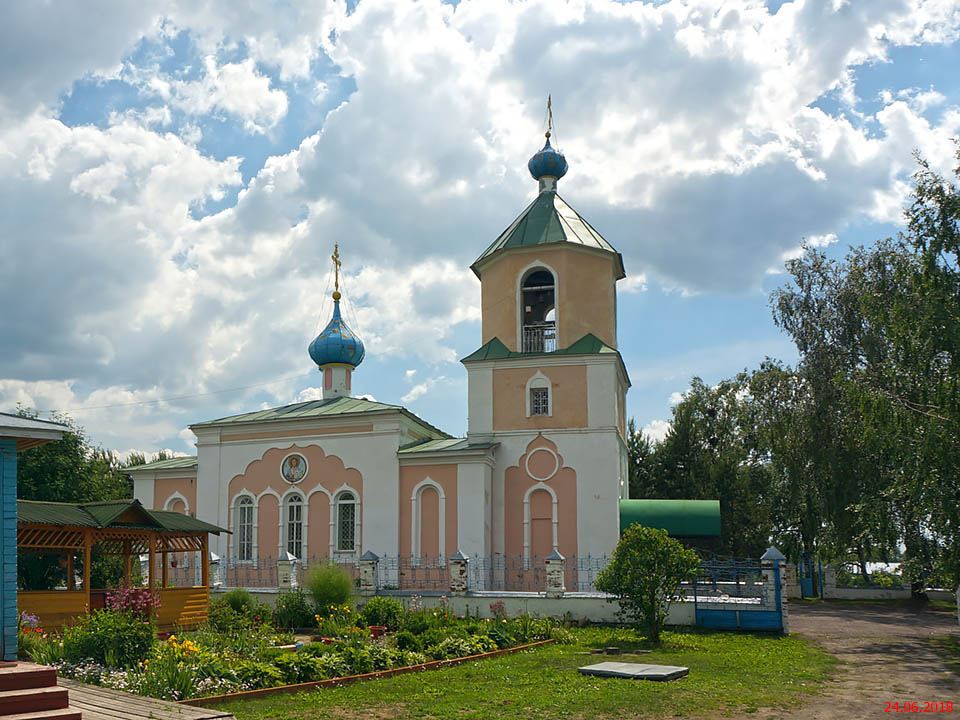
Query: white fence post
[[287, 572], [771, 563], [458, 574], [555, 581], [368, 573]]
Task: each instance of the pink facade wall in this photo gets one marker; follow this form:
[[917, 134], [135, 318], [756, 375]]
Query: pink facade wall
[[163, 488], [546, 463], [446, 477], [326, 475]]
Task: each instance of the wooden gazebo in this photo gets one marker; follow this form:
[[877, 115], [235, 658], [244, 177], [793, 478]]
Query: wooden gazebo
[[116, 527]]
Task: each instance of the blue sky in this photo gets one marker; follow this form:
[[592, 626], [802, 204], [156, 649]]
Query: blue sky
[[174, 176]]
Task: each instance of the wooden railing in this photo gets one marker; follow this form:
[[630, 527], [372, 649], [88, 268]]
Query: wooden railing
[[179, 607], [54, 607]]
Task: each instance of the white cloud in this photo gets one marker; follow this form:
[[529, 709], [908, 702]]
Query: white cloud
[[656, 430], [235, 88], [675, 398], [694, 148], [421, 389], [309, 394]]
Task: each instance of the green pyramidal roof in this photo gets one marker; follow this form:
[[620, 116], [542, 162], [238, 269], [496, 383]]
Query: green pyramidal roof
[[548, 219], [589, 344]]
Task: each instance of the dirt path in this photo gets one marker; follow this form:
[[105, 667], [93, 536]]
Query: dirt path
[[886, 657]]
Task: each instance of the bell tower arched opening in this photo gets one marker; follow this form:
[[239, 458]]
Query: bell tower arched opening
[[538, 311]]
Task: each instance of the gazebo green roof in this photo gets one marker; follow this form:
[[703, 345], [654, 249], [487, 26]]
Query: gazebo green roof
[[106, 514], [548, 219]]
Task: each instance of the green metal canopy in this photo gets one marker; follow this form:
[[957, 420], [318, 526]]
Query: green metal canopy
[[680, 518]]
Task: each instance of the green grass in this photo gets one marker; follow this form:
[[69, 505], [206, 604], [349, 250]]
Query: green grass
[[728, 672], [949, 648]]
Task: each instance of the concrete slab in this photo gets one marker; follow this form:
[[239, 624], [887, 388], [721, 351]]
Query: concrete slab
[[635, 671]]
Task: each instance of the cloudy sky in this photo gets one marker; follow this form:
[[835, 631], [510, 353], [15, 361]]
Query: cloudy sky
[[173, 176]]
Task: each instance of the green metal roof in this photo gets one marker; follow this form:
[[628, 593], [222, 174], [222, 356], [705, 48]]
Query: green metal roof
[[104, 515], [186, 462], [680, 518], [318, 409], [548, 219], [589, 344], [445, 445]]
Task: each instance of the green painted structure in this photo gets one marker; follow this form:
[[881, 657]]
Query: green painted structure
[[680, 518]]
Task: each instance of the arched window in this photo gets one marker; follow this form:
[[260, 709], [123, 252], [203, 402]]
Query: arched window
[[538, 312], [244, 529], [539, 395], [346, 522], [295, 526]]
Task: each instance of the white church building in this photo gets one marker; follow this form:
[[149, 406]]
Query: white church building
[[542, 468]]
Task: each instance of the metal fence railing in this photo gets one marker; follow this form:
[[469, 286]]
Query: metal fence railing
[[727, 579], [510, 573]]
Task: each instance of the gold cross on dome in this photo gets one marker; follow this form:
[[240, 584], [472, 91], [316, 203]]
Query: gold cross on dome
[[336, 271], [549, 115]]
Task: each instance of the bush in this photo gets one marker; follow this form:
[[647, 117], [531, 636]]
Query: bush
[[644, 574], [240, 601], [384, 611], [409, 657], [254, 675], [293, 610], [140, 602], [406, 640], [329, 585], [455, 647], [114, 639]]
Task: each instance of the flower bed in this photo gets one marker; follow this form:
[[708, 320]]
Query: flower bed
[[239, 648]]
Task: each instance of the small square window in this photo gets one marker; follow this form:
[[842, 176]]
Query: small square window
[[539, 401]]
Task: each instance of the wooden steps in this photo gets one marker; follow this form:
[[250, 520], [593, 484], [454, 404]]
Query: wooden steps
[[67, 714], [30, 692]]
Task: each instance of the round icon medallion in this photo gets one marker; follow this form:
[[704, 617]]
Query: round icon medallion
[[294, 468]]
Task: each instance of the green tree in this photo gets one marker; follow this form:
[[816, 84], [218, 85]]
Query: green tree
[[68, 470], [640, 463], [879, 338], [710, 453], [645, 574]]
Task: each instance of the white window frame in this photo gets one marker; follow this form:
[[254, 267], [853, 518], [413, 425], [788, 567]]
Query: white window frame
[[521, 279], [416, 520], [339, 500], [526, 520], [244, 502], [291, 500], [244, 495], [539, 381], [172, 559]]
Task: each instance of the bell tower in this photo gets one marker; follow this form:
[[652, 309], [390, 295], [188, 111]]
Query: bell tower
[[550, 278], [548, 386], [549, 357]]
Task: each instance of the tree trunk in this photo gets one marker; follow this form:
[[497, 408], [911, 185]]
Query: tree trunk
[[862, 560]]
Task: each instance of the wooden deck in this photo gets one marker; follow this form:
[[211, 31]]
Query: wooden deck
[[97, 703]]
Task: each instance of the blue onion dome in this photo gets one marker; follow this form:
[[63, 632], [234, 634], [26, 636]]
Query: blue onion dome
[[337, 343], [548, 162]]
